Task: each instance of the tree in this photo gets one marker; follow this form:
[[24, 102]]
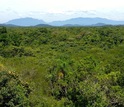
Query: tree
[[3, 30], [13, 92]]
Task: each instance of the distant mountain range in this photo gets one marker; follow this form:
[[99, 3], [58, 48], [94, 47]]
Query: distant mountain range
[[86, 22], [70, 22], [25, 22]]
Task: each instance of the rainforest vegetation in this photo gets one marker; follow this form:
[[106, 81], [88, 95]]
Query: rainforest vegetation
[[62, 66]]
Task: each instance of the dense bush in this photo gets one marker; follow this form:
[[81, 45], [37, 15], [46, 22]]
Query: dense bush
[[65, 66], [3, 30], [13, 92]]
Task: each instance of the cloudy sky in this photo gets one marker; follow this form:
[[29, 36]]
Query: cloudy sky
[[50, 10]]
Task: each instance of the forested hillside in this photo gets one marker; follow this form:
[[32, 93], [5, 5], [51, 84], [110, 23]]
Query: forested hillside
[[62, 66]]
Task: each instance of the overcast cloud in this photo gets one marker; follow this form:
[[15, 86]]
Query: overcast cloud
[[50, 10]]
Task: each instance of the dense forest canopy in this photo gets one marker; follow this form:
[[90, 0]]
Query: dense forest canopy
[[63, 66]]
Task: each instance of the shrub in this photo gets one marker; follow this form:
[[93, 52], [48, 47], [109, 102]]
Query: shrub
[[13, 92]]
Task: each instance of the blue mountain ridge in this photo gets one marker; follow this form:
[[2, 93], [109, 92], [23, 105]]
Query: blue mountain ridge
[[25, 22], [73, 21], [86, 21]]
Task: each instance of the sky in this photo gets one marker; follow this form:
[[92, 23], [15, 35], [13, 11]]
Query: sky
[[51, 10]]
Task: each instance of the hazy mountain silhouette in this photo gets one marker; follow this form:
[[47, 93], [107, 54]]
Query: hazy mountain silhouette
[[26, 22], [74, 22], [86, 21]]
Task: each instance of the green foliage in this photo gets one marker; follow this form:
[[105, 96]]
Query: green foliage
[[12, 91], [3, 30], [65, 66]]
